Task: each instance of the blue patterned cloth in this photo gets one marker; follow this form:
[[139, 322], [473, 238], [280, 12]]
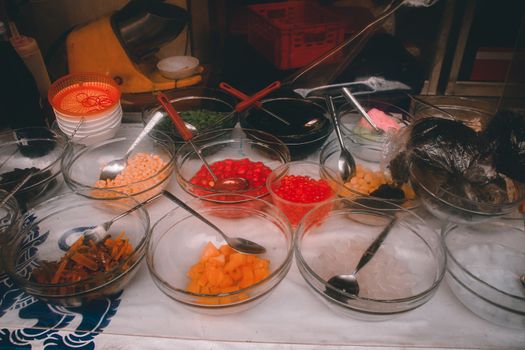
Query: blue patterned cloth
[[52, 326]]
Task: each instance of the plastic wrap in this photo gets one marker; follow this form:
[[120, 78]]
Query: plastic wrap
[[505, 136], [457, 164]]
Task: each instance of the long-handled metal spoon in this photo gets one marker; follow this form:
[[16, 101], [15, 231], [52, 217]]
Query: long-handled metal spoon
[[115, 167], [348, 283], [348, 95], [239, 244], [229, 184], [346, 162]]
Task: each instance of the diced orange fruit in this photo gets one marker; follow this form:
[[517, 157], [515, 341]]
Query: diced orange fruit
[[224, 270]]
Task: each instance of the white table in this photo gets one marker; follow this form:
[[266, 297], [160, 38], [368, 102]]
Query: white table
[[291, 318]]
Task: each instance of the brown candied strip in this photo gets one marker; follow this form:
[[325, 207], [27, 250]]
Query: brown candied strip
[[84, 258]]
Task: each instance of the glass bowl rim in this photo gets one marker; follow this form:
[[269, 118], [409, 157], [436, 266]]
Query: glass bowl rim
[[282, 268], [304, 265], [281, 168], [324, 151], [500, 208], [114, 274], [445, 233], [59, 140], [211, 142], [169, 147]]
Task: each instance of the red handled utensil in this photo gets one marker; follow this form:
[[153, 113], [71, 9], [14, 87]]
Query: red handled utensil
[[229, 184], [241, 95]]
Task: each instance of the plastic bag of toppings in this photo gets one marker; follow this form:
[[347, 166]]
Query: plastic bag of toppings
[[505, 135], [445, 144], [453, 161]]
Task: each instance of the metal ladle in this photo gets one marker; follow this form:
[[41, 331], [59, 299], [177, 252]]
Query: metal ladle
[[239, 244], [346, 162], [348, 283], [116, 166], [229, 184]]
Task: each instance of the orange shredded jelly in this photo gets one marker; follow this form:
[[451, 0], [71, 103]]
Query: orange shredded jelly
[[224, 270], [85, 258]]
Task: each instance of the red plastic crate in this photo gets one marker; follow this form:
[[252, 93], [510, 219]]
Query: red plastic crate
[[292, 34]]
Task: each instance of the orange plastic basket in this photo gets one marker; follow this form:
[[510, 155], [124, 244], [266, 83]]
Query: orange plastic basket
[[84, 94]]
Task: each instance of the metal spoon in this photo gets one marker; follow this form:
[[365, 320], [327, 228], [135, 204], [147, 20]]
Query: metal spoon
[[348, 283], [346, 163], [229, 184], [348, 95], [98, 232], [115, 167], [239, 244]]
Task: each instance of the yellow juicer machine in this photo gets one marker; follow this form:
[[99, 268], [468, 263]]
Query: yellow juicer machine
[[123, 45]]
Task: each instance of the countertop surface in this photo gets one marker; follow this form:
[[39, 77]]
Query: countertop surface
[[142, 317]]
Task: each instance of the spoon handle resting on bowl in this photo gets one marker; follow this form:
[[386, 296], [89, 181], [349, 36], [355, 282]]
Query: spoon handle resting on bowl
[[353, 100], [183, 130], [150, 125], [190, 210], [372, 249], [175, 117]]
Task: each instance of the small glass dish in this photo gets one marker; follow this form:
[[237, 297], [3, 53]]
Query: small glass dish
[[52, 227], [202, 113], [366, 143], [179, 238], [403, 274], [307, 177], [82, 165], [484, 266], [233, 145], [308, 130], [369, 178], [36, 149]]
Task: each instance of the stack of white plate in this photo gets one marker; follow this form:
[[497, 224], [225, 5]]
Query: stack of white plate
[[88, 99]]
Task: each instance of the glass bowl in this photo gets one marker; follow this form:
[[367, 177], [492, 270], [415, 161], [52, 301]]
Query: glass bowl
[[82, 165], [450, 206], [403, 275], [369, 177], [210, 111], [471, 112], [9, 216], [22, 150], [366, 143], [308, 130], [179, 238], [255, 148], [52, 227], [484, 266], [294, 179]]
